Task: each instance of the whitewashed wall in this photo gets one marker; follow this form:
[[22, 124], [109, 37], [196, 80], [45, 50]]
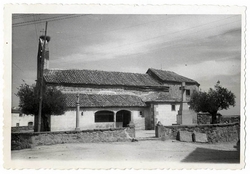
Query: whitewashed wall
[[139, 119], [87, 119], [22, 120], [63, 122], [164, 113]]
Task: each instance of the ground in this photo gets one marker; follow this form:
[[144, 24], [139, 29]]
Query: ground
[[143, 150]]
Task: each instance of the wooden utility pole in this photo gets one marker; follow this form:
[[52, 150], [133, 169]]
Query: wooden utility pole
[[41, 81]]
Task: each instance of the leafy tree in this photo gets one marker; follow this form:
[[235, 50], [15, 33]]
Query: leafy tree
[[212, 101], [54, 103]]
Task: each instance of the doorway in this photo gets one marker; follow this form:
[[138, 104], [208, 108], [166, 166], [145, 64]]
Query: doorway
[[123, 118]]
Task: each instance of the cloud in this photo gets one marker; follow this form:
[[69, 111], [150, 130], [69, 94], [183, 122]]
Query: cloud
[[142, 40], [208, 69]]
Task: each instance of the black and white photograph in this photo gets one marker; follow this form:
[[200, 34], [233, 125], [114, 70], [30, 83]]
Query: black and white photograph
[[130, 89]]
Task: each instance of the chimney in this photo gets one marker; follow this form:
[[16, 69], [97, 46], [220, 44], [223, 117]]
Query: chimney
[[42, 40]]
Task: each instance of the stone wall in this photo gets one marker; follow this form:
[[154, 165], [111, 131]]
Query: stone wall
[[174, 89], [215, 133], [22, 129], [32, 139], [206, 118], [230, 119], [104, 90], [149, 118]]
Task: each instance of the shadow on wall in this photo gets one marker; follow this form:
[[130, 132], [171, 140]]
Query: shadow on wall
[[203, 155]]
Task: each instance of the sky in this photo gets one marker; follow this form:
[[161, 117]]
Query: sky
[[206, 48]]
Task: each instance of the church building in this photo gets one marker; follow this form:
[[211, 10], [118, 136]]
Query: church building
[[114, 99], [106, 99]]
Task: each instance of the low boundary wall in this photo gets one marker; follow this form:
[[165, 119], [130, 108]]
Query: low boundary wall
[[22, 129], [215, 132], [32, 139]]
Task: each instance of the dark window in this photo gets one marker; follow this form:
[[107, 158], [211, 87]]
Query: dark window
[[17, 124], [104, 116], [187, 92], [173, 107], [20, 114], [141, 114], [81, 113]]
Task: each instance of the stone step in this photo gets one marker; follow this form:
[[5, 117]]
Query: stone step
[[147, 138]]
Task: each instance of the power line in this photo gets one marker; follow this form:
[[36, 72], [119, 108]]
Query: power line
[[160, 36], [171, 44], [115, 48], [17, 66], [130, 26], [171, 33], [19, 16], [44, 20], [35, 27], [32, 21]]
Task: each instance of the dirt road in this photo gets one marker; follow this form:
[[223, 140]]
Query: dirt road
[[156, 150]]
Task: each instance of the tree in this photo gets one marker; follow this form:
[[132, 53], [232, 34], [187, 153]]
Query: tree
[[212, 101], [54, 103]]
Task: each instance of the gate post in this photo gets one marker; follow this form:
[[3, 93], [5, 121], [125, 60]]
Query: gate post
[[158, 129]]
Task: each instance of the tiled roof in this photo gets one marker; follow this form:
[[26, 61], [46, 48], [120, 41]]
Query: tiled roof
[[99, 100], [94, 77], [16, 110], [169, 76]]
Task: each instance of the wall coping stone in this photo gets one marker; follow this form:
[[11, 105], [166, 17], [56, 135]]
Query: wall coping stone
[[68, 132], [202, 125]]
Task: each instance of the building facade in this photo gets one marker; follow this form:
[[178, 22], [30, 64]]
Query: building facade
[[116, 99], [19, 119]]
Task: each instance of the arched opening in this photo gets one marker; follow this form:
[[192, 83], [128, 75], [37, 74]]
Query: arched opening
[[30, 123], [123, 118], [104, 116]]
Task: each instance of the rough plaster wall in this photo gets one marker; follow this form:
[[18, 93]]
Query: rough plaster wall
[[67, 121], [147, 119], [139, 120], [64, 122], [87, 119], [23, 120], [165, 115], [187, 117], [88, 90], [174, 90]]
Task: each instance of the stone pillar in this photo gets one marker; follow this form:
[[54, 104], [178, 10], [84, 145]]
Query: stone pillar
[[183, 98], [133, 114], [77, 113], [185, 115], [114, 119]]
